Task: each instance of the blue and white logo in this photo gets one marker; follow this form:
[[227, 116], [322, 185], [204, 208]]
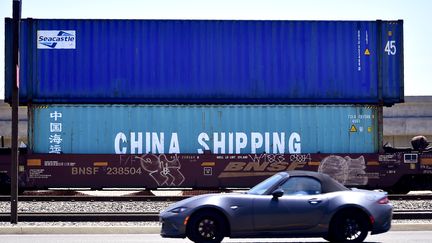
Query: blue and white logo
[[56, 39]]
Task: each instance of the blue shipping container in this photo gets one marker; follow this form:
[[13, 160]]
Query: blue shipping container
[[208, 61], [238, 129]]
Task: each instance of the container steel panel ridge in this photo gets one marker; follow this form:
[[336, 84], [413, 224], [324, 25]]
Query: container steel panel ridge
[[193, 129], [210, 61]]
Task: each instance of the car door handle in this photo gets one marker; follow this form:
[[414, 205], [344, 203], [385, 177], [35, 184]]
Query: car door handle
[[315, 201]]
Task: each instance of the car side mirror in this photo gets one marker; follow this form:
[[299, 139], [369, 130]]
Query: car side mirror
[[278, 193]]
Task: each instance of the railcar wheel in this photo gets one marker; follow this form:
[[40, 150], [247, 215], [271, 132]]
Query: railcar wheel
[[349, 228], [206, 227], [4, 184]]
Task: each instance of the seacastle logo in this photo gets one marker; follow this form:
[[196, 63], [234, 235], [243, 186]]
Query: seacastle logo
[[56, 39]]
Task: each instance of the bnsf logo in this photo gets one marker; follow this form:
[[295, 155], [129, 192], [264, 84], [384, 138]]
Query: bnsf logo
[[259, 167], [265, 164]]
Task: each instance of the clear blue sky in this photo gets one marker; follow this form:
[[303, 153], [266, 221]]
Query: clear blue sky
[[415, 13]]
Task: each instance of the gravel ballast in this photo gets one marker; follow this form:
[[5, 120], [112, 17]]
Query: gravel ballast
[[133, 207]]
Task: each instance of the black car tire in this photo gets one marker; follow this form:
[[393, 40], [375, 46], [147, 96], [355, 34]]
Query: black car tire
[[206, 227], [328, 238], [349, 227]]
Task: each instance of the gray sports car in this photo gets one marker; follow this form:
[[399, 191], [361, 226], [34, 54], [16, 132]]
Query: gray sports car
[[288, 204]]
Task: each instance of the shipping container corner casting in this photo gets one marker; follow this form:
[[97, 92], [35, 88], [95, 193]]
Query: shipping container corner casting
[[208, 61]]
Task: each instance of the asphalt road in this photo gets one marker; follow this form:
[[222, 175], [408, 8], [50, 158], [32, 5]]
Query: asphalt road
[[392, 236]]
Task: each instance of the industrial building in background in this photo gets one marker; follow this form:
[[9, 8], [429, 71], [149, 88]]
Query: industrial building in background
[[406, 120], [6, 124]]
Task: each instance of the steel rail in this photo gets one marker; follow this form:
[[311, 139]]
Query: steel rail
[[152, 216], [82, 217], [96, 198], [140, 198], [410, 196], [412, 214]]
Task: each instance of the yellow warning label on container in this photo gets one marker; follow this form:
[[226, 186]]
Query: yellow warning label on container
[[353, 128], [369, 129], [367, 53], [390, 33]]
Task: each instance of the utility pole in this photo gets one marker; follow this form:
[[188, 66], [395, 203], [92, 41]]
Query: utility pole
[[16, 19]]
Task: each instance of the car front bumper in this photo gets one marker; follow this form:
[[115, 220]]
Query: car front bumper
[[172, 225]]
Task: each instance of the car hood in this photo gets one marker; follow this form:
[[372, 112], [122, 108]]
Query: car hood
[[203, 199]]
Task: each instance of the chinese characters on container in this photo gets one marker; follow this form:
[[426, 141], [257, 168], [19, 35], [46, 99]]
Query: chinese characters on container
[[55, 137]]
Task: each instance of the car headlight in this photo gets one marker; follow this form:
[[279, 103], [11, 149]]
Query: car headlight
[[178, 210]]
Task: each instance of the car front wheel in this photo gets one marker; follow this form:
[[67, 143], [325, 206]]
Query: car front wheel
[[349, 228], [206, 227]]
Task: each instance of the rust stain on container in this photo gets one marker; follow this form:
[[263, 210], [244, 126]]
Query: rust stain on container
[[100, 164], [426, 161], [208, 164], [243, 174], [34, 162]]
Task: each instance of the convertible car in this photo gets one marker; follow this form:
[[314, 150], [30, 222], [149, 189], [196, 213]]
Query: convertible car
[[287, 204]]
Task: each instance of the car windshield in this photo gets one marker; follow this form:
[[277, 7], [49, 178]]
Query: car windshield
[[262, 187]]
